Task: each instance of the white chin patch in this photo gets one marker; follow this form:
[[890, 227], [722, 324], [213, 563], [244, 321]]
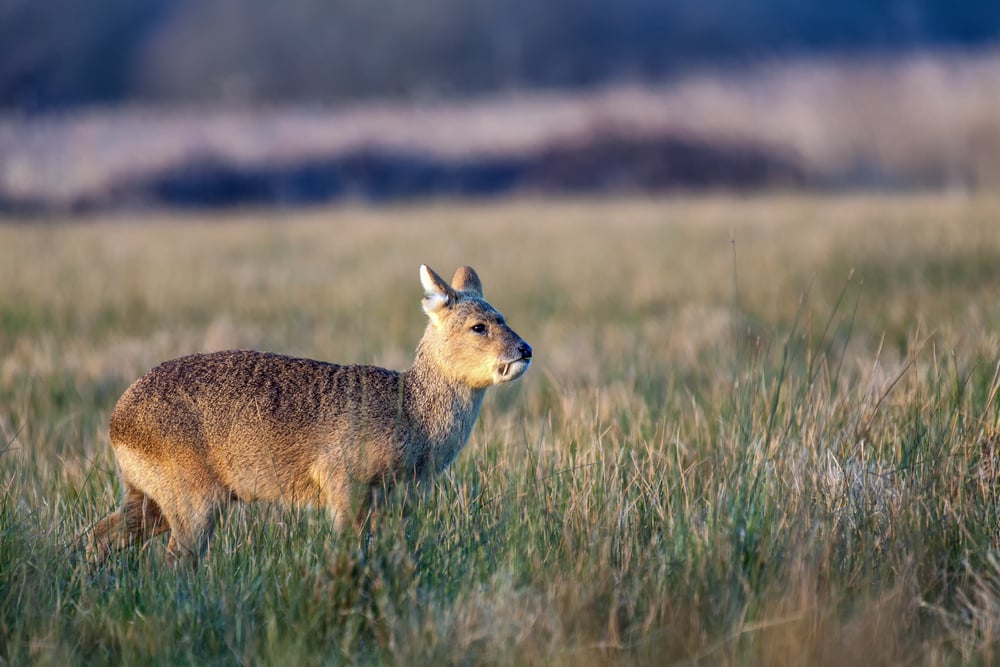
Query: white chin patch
[[510, 371]]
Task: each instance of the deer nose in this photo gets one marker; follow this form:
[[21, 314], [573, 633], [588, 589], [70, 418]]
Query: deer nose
[[525, 350]]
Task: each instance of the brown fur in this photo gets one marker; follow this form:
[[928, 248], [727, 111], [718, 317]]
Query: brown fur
[[201, 431]]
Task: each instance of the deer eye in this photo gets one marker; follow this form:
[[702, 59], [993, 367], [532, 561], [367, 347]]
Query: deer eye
[[479, 328]]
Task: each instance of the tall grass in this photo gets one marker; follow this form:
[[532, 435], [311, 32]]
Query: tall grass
[[757, 431]]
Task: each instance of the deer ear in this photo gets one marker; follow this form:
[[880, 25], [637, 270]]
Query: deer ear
[[466, 280], [437, 294]]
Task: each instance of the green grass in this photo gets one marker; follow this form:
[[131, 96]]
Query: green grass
[[757, 431]]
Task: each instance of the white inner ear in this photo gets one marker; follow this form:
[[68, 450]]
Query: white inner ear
[[434, 301], [435, 298]]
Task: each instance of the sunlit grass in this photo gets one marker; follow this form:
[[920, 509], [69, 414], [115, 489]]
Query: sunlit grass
[[756, 431]]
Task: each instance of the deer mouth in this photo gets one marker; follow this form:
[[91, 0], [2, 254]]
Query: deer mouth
[[511, 370]]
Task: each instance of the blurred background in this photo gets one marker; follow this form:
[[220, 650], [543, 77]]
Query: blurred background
[[212, 103]]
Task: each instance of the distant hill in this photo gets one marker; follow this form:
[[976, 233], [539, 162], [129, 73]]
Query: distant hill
[[924, 121], [56, 54]]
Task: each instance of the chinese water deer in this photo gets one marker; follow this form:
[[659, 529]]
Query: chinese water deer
[[199, 432]]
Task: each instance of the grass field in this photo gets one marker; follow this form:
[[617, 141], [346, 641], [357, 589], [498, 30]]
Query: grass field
[[757, 431]]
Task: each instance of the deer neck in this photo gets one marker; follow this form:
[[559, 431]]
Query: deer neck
[[443, 408]]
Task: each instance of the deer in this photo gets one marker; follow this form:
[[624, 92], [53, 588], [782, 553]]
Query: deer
[[200, 432]]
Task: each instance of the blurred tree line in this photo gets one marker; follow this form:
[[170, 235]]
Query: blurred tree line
[[61, 53]]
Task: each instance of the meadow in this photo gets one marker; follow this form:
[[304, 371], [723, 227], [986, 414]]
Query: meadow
[[757, 430]]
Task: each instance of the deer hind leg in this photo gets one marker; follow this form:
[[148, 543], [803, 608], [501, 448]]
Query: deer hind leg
[[185, 492], [351, 505], [192, 523], [137, 520], [143, 517]]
